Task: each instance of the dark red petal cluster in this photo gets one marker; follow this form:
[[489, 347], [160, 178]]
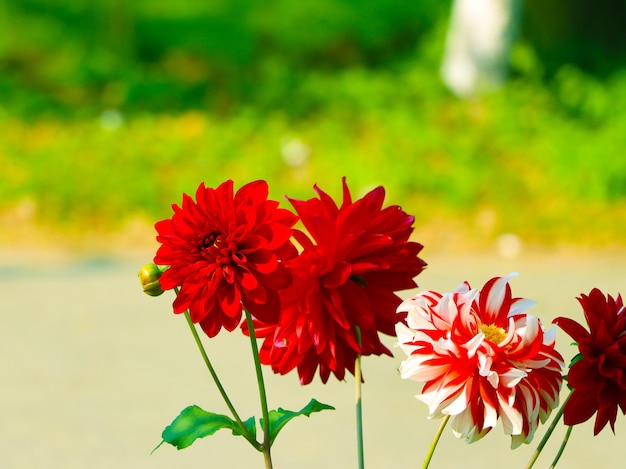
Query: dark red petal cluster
[[358, 254], [224, 250], [598, 378]]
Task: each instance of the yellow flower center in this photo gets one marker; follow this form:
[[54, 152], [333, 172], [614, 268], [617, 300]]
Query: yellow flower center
[[493, 333]]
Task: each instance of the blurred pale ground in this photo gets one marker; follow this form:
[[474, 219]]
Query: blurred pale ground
[[93, 370]]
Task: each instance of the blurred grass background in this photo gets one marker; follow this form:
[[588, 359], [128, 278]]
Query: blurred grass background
[[109, 110]]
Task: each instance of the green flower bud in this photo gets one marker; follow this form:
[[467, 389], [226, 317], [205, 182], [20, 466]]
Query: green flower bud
[[149, 278]]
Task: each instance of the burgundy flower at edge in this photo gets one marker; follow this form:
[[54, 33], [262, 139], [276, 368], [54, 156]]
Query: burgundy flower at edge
[[358, 255], [598, 374], [225, 252]]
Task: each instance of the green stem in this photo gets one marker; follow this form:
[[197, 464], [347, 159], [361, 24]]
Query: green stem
[[267, 441], [546, 437], [246, 434], [433, 445], [565, 440], [359, 407]]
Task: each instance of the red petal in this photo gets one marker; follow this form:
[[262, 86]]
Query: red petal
[[579, 408], [572, 328]]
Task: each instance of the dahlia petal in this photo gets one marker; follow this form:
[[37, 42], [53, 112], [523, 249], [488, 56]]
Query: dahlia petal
[[446, 389], [169, 280], [444, 346], [229, 299], [334, 309], [517, 440], [462, 288], [408, 339], [433, 400], [512, 419], [445, 313], [210, 327], [510, 335], [367, 309], [572, 328], [490, 416], [579, 408], [337, 276], [246, 279], [549, 337], [256, 192], [228, 273], [418, 302], [316, 224], [277, 280], [413, 368], [607, 409], [419, 320], [263, 304], [181, 302], [458, 404], [492, 377], [584, 374], [404, 334], [531, 330], [512, 377], [494, 296], [347, 198], [473, 344], [602, 336], [463, 426], [519, 305], [263, 260]]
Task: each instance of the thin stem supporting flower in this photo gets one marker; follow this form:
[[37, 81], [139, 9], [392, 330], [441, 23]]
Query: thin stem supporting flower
[[246, 434], [547, 435], [563, 444], [358, 404], [433, 445], [267, 442]]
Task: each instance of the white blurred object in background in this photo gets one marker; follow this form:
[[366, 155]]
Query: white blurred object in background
[[295, 152], [111, 119], [478, 42]]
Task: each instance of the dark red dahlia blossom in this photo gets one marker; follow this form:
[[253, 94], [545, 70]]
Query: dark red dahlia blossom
[[344, 278], [225, 251], [598, 374]]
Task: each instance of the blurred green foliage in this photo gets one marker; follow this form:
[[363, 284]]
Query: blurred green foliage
[[75, 57], [300, 94]]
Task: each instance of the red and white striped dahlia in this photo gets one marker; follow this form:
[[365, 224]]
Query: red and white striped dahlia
[[481, 358]]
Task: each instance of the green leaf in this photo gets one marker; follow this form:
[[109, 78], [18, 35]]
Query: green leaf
[[250, 425], [194, 423], [578, 357], [279, 418]]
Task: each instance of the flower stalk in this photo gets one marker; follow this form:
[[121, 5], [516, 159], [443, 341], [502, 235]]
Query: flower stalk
[[547, 436], [267, 442], [563, 444], [358, 404], [246, 434], [433, 445]]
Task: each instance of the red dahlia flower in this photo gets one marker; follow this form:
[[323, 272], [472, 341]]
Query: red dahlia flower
[[481, 358], [598, 375], [344, 278], [225, 250]]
